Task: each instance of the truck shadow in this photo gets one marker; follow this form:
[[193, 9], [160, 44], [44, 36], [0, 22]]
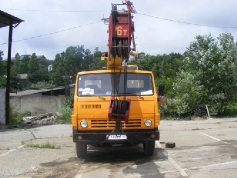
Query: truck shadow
[[131, 158], [129, 161], [123, 154]]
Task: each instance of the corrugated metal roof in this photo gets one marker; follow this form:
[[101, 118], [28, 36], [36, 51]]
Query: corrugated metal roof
[[7, 19], [32, 91]]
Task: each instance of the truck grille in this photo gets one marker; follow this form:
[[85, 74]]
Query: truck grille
[[134, 123]]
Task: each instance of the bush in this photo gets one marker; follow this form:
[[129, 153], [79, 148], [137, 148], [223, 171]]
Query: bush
[[188, 94], [3, 81], [66, 111], [65, 114], [230, 110]]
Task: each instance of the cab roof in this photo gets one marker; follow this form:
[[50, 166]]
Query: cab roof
[[112, 71]]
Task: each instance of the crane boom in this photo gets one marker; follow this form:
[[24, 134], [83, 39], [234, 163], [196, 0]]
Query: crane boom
[[121, 32]]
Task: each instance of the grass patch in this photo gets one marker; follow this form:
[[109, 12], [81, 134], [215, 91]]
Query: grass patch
[[46, 145]]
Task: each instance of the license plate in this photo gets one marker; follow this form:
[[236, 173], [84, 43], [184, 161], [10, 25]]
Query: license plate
[[116, 137]]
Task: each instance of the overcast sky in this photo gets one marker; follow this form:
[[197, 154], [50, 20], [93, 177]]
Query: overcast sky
[[50, 26]]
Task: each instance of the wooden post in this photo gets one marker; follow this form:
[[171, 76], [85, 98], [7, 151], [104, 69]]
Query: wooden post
[[208, 114]]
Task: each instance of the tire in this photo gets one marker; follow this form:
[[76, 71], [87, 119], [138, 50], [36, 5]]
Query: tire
[[81, 149], [149, 148]]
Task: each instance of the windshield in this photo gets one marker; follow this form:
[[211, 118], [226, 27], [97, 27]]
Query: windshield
[[108, 84]]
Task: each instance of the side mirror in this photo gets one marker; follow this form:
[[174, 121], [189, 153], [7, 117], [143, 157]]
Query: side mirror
[[161, 90]]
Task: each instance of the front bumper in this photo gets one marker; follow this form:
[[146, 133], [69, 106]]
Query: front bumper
[[100, 138]]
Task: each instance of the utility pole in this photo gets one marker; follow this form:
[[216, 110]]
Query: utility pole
[[8, 73], [11, 21]]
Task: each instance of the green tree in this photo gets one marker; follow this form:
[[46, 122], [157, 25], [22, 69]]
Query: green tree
[[96, 62], [212, 63], [59, 70], [16, 64], [2, 78], [188, 93], [67, 64], [164, 67], [1, 54], [24, 61], [43, 68], [15, 71], [225, 78], [33, 70]]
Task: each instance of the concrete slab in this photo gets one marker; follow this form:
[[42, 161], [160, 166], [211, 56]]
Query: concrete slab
[[203, 149]]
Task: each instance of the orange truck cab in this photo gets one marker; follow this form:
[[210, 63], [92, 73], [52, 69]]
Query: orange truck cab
[[92, 102]]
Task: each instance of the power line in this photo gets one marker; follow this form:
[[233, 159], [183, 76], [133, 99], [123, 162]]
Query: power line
[[78, 11], [71, 28], [52, 33], [181, 22]]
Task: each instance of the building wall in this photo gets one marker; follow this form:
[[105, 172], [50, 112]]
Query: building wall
[[2, 106], [37, 103]]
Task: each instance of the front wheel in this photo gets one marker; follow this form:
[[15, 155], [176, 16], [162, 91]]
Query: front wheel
[[149, 148], [81, 149]]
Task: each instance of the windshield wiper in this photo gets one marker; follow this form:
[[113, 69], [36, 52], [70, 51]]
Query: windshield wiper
[[125, 93]]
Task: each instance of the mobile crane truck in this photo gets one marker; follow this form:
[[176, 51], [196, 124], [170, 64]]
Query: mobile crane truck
[[118, 106]]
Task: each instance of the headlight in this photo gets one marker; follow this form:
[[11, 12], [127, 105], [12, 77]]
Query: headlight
[[148, 122], [84, 124]]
